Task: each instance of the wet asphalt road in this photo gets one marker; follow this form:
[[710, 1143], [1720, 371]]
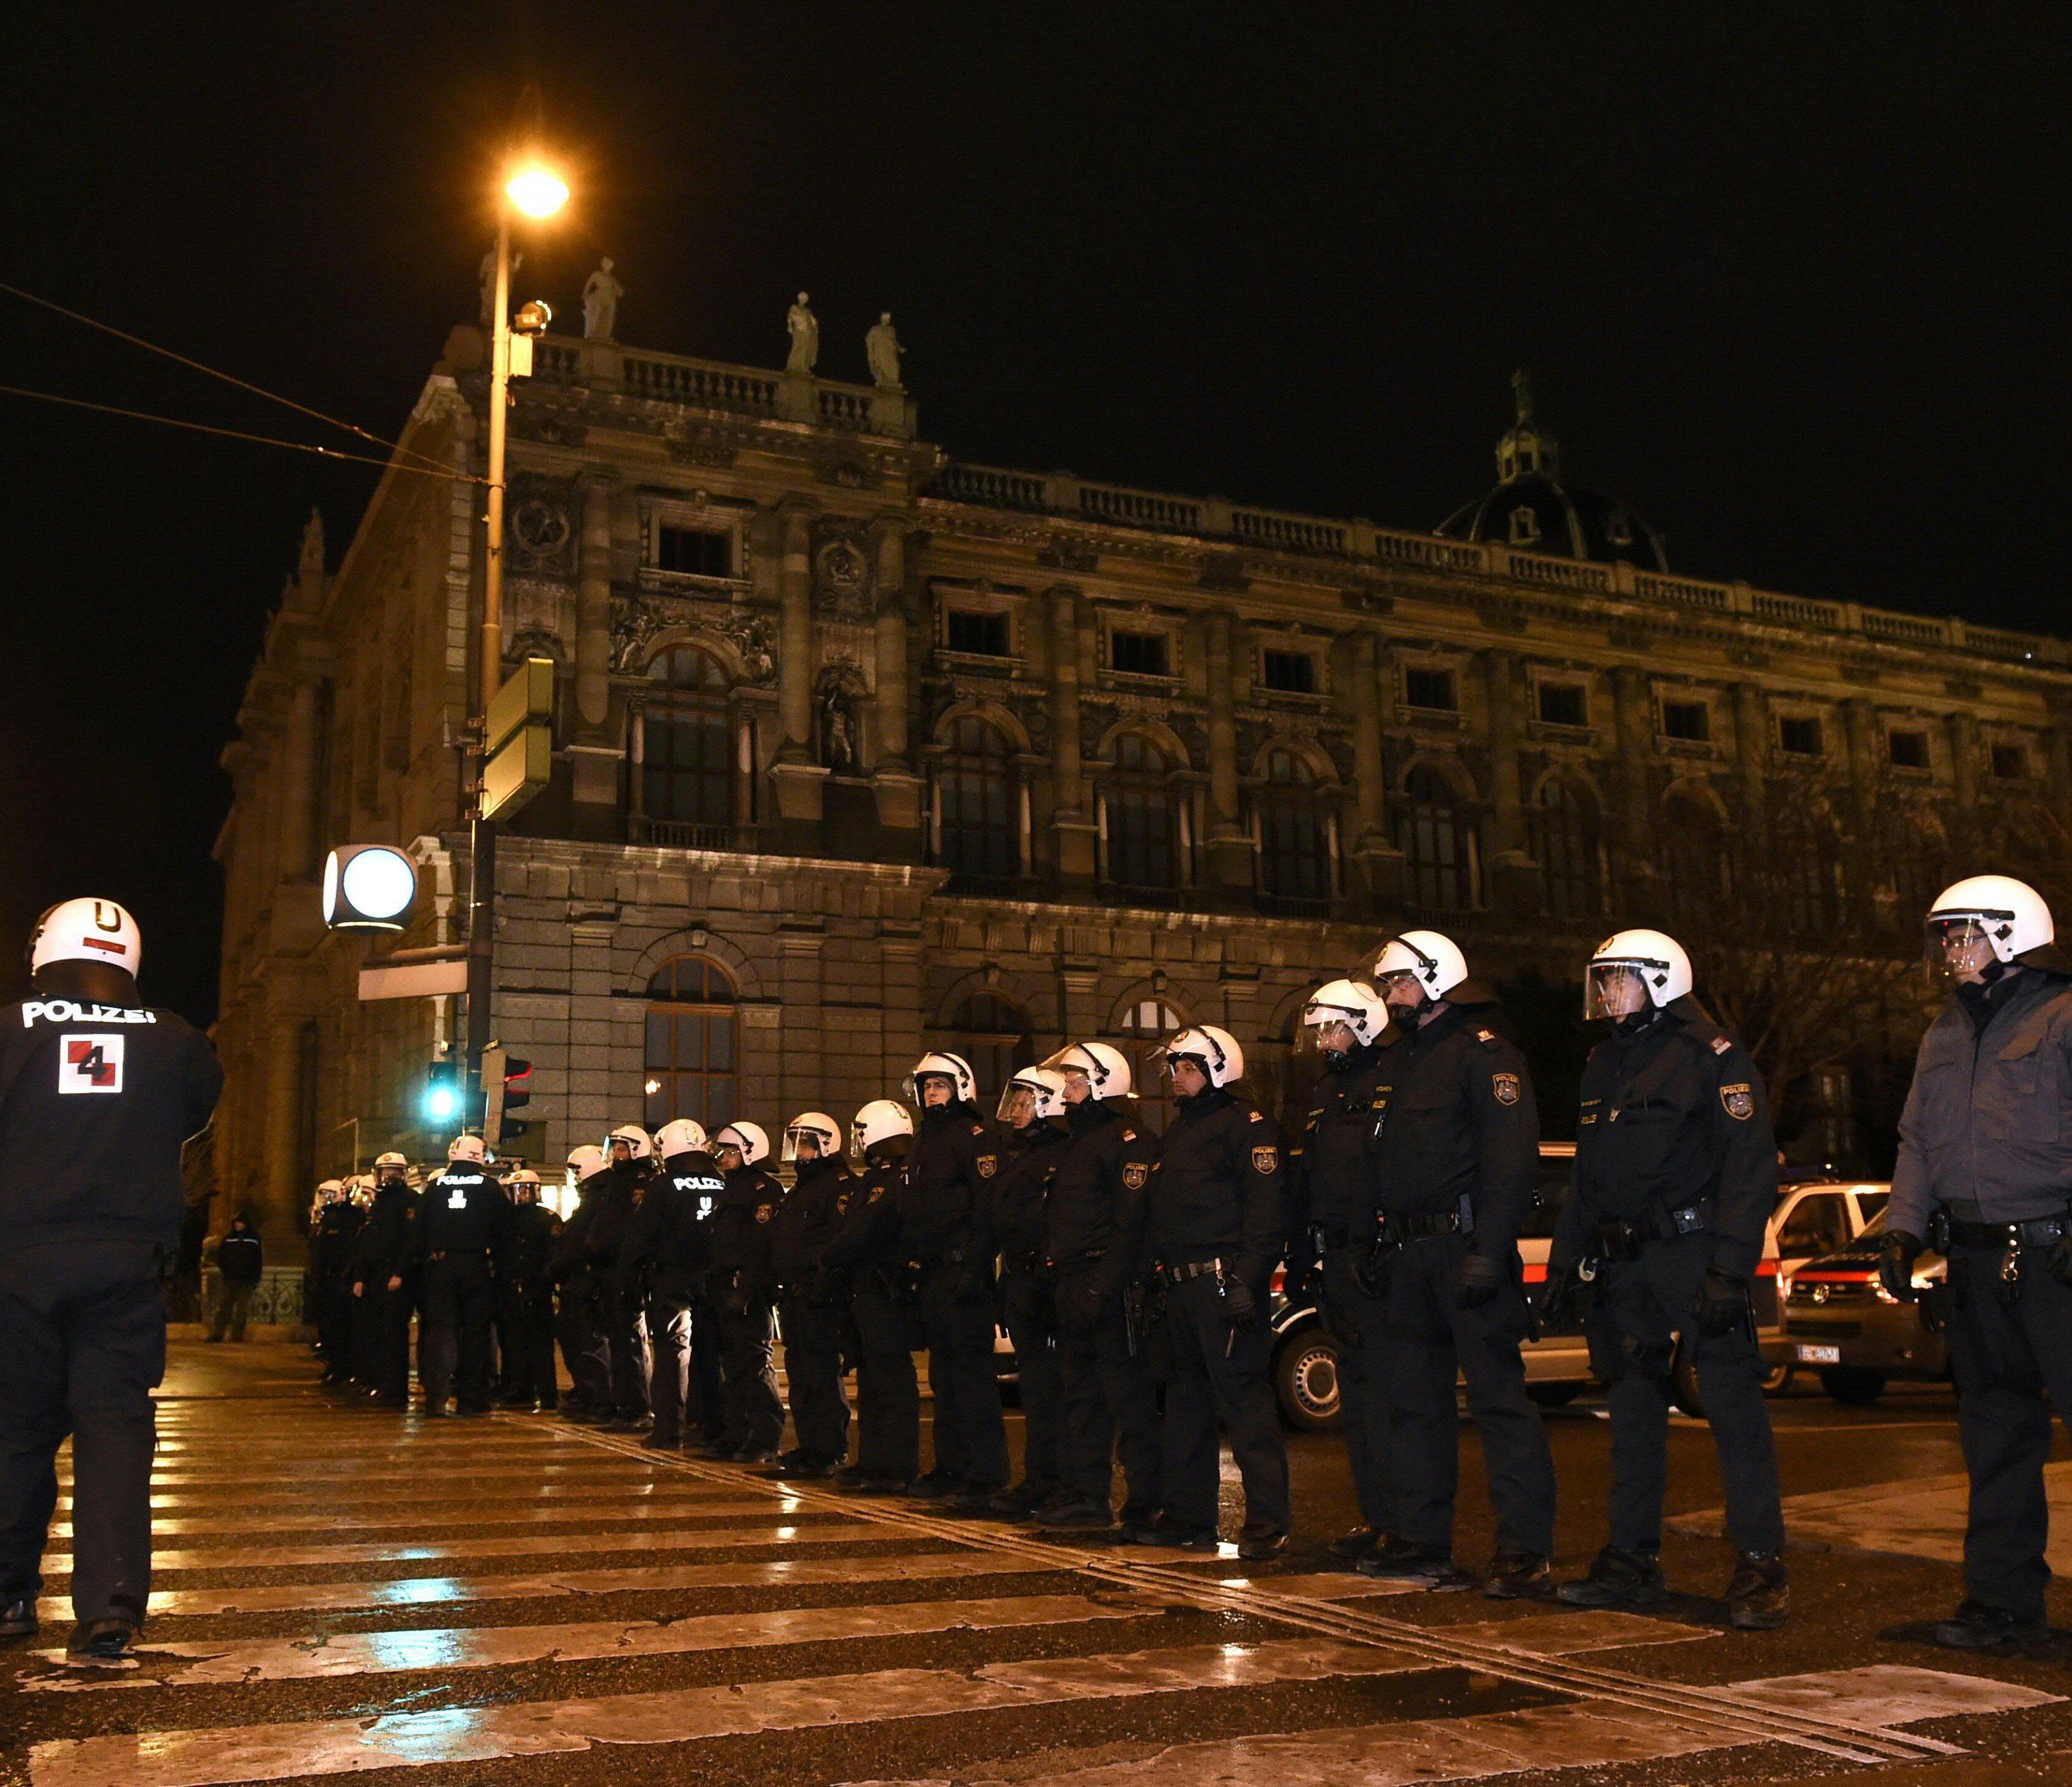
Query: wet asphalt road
[[510, 1598]]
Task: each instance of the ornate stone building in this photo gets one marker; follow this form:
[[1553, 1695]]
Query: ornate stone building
[[860, 746]]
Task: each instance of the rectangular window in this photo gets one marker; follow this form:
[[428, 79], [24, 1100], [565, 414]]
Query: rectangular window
[[2010, 763], [1800, 735], [1432, 689], [1292, 673], [1138, 654], [694, 552], [1690, 721], [981, 635], [1908, 751], [1564, 704]]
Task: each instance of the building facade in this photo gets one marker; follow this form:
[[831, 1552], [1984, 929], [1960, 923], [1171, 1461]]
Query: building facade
[[861, 748]]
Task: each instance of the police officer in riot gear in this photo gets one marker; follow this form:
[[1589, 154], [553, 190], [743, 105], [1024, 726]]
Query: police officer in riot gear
[[1093, 1242], [525, 1296], [1032, 1116], [385, 1266], [612, 1245], [1217, 1228], [869, 1251], [1984, 1172], [1334, 1175], [1458, 1147], [813, 1310], [464, 1212], [585, 1344], [744, 1287], [673, 1248], [97, 1093], [946, 1206], [331, 1256], [1676, 1180]]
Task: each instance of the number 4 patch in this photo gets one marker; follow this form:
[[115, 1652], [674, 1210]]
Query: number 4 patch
[[91, 1063]]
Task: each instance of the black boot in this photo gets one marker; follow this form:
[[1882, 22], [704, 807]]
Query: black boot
[[1514, 1574], [1976, 1625], [1618, 1578], [1758, 1598]]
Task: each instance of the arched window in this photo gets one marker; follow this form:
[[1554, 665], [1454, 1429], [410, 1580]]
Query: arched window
[[1437, 835], [1141, 810], [687, 755], [693, 1053], [1142, 1029], [978, 805], [1693, 855], [1564, 840], [1294, 835], [992, 1033], [1804, 852]]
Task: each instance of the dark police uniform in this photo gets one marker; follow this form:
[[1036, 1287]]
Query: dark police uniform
[[1675, 1171], [611, 1249], [1335, 1194], [330, 1258], [1985, 1142], [870, 1251], [946, 1207], [746, 1289], [672, 1242], [1093, 1240], [95, 1102], [1218, 1218], [586, 1347], [1458, 1147], [1028, 1301], [814, 1311], [460, 1225], [525, 1305], [386, 1247]]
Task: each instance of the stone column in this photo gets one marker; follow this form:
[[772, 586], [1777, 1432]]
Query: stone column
[[1964, 759], [897, 788], [1752, 760], [1230, 854], [798, 780], [1073, 819], [299, 845], [594, 755], [1377, 862], [1514, 878]]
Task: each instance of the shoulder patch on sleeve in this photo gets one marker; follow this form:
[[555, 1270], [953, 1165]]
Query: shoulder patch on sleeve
[[1504, 1086], [1739, 1101], [988, 1165], [1135, 1175], [1266, 1160]]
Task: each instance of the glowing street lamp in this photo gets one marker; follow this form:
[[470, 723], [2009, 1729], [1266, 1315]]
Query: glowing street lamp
[[537, 192]]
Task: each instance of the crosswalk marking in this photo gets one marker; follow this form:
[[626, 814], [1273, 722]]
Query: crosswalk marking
[[234, 1526]]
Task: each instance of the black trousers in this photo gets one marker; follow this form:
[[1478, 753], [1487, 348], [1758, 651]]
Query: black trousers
[[957, 1322], [1029, 1312], [2007, 1355], [334, 1326], [1219, 1374], [233, 1305], [622, 1304], [888, 1395], [1359, 1324], [1639, 1307], [755, 1411], [82, 1346], [815, 1336], [670, 1392], [381, 1336], [585, 1348], [460, 1302], [1111, 1405], [525, 1341], [708, 1380], [1436, 1343]]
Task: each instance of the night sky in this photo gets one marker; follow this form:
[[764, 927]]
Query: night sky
[[1791, 280]]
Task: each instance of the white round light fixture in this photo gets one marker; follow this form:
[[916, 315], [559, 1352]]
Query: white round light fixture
[[369, 887]]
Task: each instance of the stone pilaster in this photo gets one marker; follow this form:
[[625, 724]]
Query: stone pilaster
[[797, 781], [1229, 844], [1752, 762], [594, 754], [893, 780], [1073, 819], [1514, 876], [1377, 863]]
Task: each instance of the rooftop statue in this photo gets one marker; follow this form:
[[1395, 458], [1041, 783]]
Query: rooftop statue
[[881, 347], [601, 294], [805, 329]]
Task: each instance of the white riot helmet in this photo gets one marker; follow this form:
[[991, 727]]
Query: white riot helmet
[[1214, 1050], [525, 1179], [1042, 1088], [679, 1136], [2008, 915], [751, 1141], [953, 1068], [1656, 960], [466, 1147], [383, 1162], [878, 1121], [331, 1190], [86, 931], [637, 1143], [1107, 1067], [1425, 958], [586, 1161], [1359, 1007], [825, 1131]]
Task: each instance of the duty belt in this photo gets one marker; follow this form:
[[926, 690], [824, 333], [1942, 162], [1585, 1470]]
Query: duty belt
[[1621, 1237], [2040, 1231], [458, 1253], [1396, 1230], [1199, 1268]]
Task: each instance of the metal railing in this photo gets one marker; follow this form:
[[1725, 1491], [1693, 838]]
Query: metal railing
[[676, 834]]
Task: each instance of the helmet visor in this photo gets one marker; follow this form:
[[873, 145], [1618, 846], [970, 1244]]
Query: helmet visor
[[1331, 1029], [1959, 946], [817, 1140], [1614, 990], [1018, 1104]]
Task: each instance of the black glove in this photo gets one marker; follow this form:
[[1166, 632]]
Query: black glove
[[1556, 1306], [1896, 1254], [1372, 1266], [1305, 1282], [1478, 1280], [2060, 1261], [1240, 1307], [1721, 1302]]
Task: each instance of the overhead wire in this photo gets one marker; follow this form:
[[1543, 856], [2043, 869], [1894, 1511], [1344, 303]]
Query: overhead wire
[[228, 378]]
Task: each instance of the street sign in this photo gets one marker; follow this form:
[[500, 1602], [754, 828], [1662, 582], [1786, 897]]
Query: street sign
[[517, 772], [414, 980], [526, 699]]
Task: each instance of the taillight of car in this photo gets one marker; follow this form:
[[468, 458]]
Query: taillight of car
[[1280, 1275], [1535, 1273]]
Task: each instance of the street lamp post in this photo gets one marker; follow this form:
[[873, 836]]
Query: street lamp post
[[537, 193]]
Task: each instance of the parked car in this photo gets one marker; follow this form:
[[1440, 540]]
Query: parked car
[[1814, 1215], [1841, 1321], [1557, 1365]]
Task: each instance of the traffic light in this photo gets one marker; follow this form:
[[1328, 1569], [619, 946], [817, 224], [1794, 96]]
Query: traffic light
[[439, 1101], [517, 1091]]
